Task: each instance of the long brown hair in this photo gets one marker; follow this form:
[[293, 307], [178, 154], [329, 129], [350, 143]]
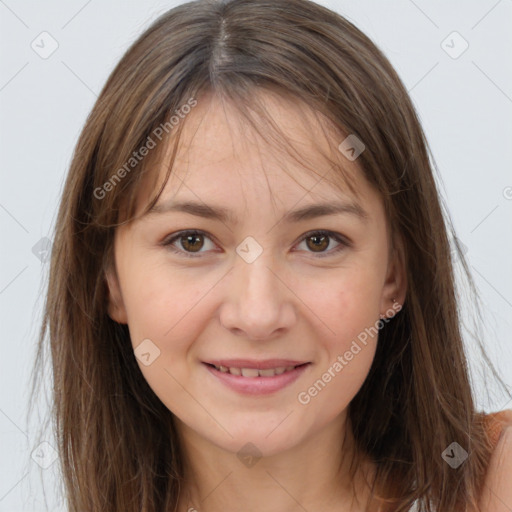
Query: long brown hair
[[118, 447]]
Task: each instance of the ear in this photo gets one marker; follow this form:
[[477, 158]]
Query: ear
[[116, 308], [395, 285]]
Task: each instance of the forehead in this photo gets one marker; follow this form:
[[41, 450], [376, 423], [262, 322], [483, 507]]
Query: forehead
[[289, 152]]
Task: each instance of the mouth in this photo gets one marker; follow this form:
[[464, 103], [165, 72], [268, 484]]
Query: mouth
[[255, 372], [256, 377]]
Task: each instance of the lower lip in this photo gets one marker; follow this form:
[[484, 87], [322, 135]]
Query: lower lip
[[257, 385]]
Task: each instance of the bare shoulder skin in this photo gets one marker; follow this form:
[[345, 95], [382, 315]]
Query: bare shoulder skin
[[497, 491]]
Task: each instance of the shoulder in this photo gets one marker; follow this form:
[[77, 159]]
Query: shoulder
[[497, 489]]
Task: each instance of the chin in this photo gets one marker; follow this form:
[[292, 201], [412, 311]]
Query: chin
[[260, 439]]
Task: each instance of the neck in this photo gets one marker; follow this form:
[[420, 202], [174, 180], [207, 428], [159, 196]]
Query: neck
[[314, 475]]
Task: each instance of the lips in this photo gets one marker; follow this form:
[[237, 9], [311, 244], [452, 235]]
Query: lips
[[250, 377]]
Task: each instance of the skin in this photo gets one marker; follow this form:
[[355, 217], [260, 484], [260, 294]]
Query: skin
[[497, 491], [288, 303]]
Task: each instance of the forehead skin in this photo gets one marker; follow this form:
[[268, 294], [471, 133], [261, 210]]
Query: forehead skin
[[220, 156]]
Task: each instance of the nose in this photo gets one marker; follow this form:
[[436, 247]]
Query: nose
[[258, 303]]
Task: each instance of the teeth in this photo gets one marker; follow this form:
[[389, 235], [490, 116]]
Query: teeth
[[249, 372], [270, 372], [254, 372]]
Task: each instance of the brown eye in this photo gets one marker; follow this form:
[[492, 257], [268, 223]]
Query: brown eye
[[319, 242], [192, 243], [189, 243]]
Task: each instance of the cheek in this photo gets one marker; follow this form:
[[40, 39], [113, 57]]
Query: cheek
[[333, 388], [347, 302], [347, 356], [163, 303], [164, 313], [349, 312]]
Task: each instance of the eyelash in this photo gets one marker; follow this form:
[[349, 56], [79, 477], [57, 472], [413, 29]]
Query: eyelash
[[343, 242]]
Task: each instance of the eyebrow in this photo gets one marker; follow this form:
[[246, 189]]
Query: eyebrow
[[225, 215]]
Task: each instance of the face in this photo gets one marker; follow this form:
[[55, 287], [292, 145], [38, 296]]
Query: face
[[258, 326]]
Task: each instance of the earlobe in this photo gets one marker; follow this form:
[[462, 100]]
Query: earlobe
[[116, 309]]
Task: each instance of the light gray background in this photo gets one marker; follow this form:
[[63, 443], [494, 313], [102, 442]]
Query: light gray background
[[465, 105]]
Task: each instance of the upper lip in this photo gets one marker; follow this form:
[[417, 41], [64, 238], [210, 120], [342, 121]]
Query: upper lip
[[254, 363]]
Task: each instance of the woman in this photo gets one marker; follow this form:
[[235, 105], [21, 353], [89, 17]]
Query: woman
[[216, 349]]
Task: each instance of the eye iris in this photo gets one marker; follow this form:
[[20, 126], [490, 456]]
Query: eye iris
[[320, 242], [188, 239]]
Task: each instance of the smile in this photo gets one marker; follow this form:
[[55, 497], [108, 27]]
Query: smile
[[255, 372], [255, 381]]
